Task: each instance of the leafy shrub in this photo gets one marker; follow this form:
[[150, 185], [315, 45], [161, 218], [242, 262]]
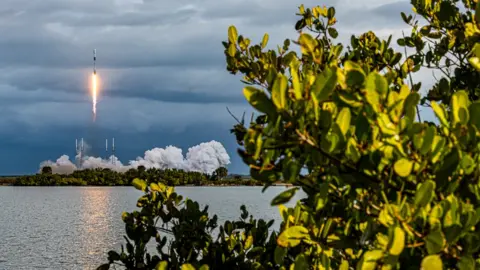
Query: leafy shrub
[[384, 189]]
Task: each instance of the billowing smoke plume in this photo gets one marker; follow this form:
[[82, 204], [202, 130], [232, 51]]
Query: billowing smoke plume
[[205, 157]]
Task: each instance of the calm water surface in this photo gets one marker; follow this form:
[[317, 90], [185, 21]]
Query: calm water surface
[[74, 227]]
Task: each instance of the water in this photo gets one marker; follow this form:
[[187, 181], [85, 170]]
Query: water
[[74, 227]]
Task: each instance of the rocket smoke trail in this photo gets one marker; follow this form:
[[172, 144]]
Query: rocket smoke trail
[[94, 86], [205, 157]]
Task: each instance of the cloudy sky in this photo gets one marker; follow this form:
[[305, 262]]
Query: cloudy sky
[[161, 65]]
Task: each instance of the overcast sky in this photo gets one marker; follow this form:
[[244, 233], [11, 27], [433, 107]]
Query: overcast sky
[[161, 65]]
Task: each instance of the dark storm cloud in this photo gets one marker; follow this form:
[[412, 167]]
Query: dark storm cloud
[[168, 85], [160, 64], [175, 96], [392, 11], [131, 19], [46, 50]]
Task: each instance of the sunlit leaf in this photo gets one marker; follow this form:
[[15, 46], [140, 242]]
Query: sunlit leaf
[[284, 197], [232, 34], [403, 167], [292, 236], [264, 40], [324, 84], [432, 262]]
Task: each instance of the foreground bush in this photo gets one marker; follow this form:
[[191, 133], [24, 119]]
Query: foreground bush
[[384, 189]]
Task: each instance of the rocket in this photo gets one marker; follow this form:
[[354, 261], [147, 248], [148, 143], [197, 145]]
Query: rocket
[[94, 60]]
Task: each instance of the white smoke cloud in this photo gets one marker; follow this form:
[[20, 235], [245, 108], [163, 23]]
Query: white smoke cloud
[[205, 157]]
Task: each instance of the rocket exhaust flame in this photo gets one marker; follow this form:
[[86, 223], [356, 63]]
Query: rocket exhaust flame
[[94, 96], [94, 86]]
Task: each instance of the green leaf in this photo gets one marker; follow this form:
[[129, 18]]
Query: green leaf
[[355, 76], [160, 187], [307, 42], [187, 266], [437, 146], [373, 98], [424, 194], [332, 32], [349, 99], [343, 120], [435, 215], [440, 113], [403, 167], [331, 13], [291, 170], [362, 128], [204, 267], [369, 260], [139, 184], [467, 164], [232, 34], [300, 263], [163, 265], [292, 236], [384, 217], [460, 104], [248, 242], [279, 91], [466, 263], [376, 82], [404, 17], [474, 111], [113, 256], [104, 267], [352, 151], [432, 262], [398, 242], [344, 265], [410, 104], [259, 100], [329, 143], [386, 126], [301, 9], [297, 87], [435, 241], [324, 84], [452, 233], [279, 255], [284, 197], [427, 140], [264, 40], [232, 50]]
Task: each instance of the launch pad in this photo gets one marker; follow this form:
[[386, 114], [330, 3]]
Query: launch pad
[[81, 153]]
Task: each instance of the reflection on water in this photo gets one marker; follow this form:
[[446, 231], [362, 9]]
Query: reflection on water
[[74, 227], [96, 222]]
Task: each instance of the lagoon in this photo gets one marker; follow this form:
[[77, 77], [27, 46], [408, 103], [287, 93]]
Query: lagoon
[[74, 227]]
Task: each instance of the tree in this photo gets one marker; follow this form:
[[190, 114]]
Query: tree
[[384, 190], [445, 44], [46, 170], [220, 173], [141, 169]]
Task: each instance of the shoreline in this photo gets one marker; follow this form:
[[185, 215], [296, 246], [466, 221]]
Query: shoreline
[[224, 185], [109, 178]]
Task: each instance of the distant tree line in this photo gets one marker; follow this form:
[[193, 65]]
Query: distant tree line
[[108, 177]]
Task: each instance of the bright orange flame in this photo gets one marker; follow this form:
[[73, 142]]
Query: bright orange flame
[[94, 95]]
